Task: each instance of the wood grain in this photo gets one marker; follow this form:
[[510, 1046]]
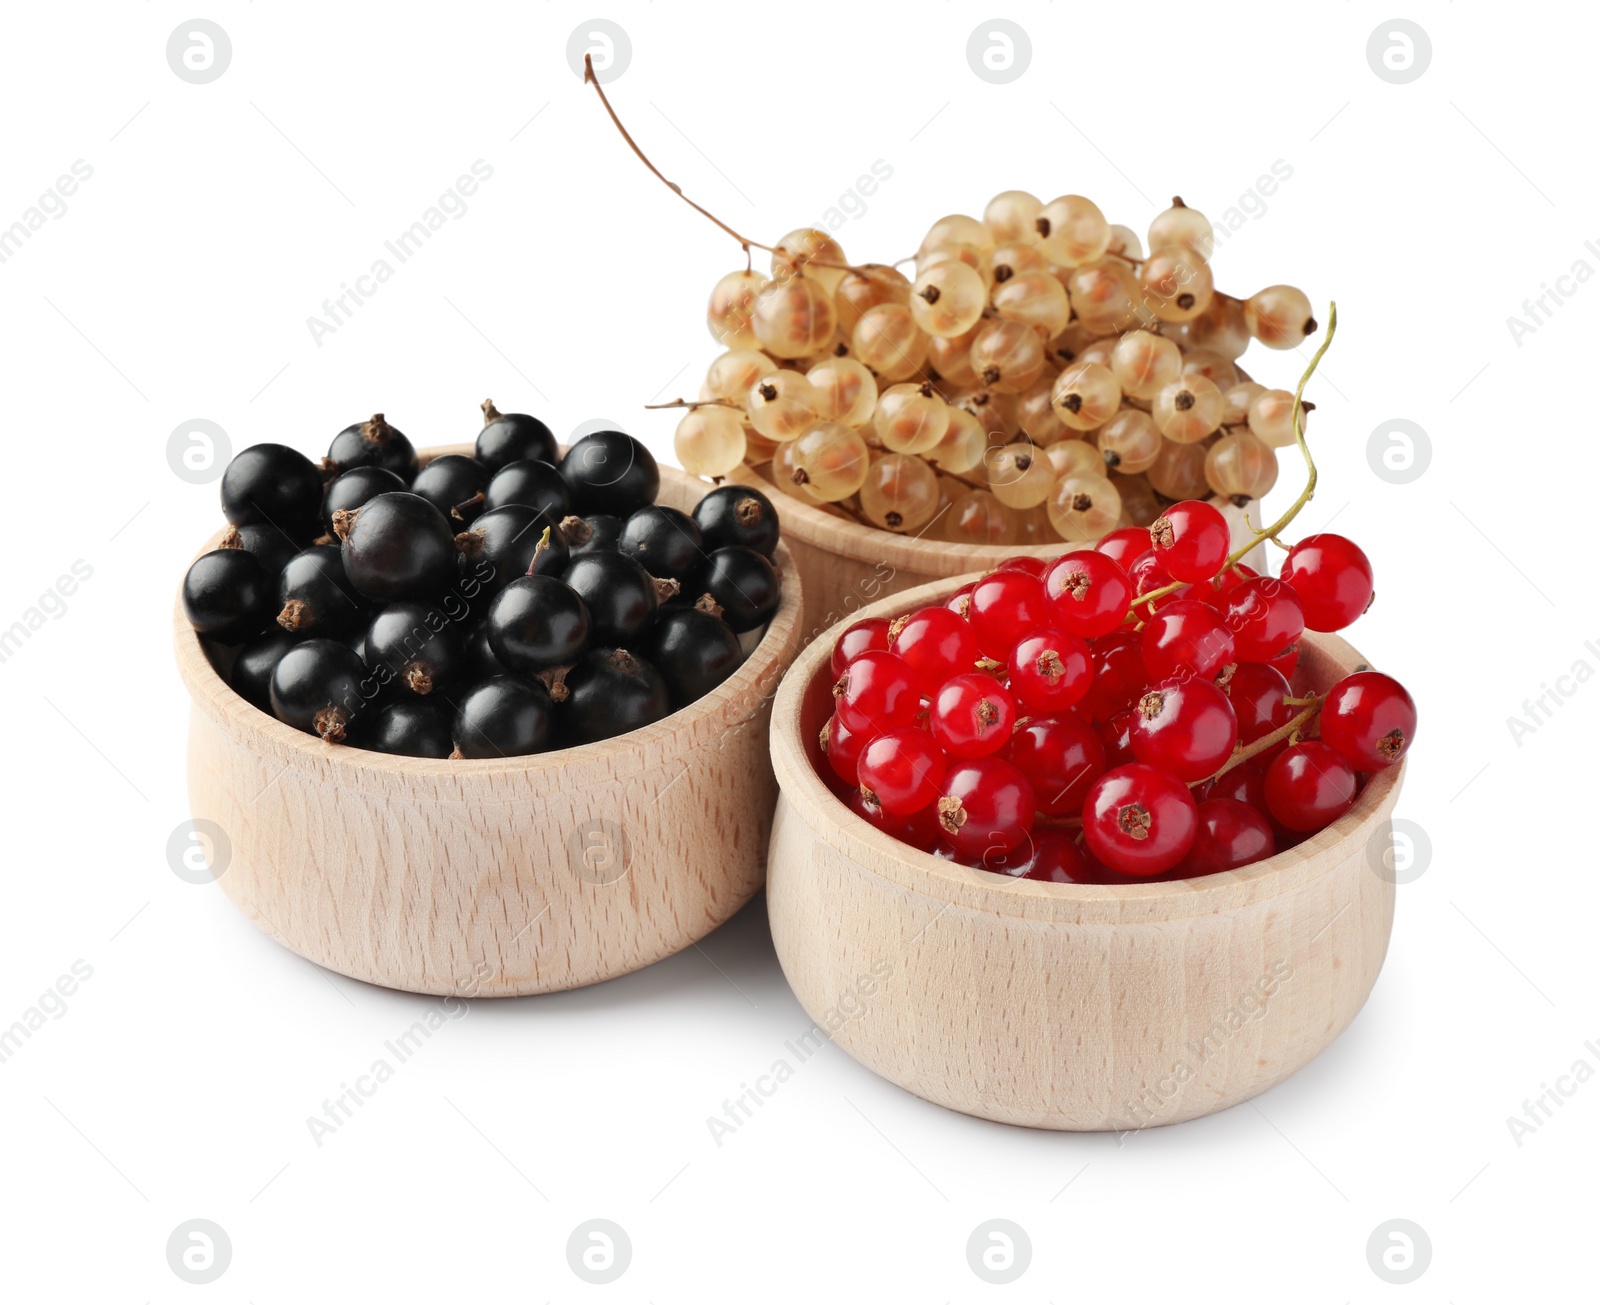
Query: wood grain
[[1069, 1006], [495, 877]]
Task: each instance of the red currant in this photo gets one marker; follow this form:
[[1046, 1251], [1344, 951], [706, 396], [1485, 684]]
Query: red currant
[[1369, 719], [1061, 756], [1033, 566], [936, 644], [1006, 606], [1057, 859], [1265, 616], [1229, 834], [1257, 693], [1286, 661], [985, 805], [1229, 580], [1184, 727], [842, 746], [972, 715], [1309, 786], [1116, 737], [901, 771], [1146, 574], [1119, 675], [876, 693], [1088, 593], [1050, 671], [1186, 638], [1246, 782], [864, 636], [960, 602], [1138, 820], [1191, 539], [920, 829], [1332, 577], [1124, 545]]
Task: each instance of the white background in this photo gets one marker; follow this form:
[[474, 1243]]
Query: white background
[[178, 284]]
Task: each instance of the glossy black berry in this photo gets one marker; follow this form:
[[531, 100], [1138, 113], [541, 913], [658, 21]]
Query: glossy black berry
[[611, 692], [596, 534], [373, 443], [536, 623], [506, 542], [619, 593], [272, 484], [610, 472], [318, 687], [694, 651], [739, 581], [412, 727], [537, 485], [399, 547], [481, 663], [733, 515], [315, 596], [513, 437], [455, 485], [271, 546], [356, 488], [227, 595], [415, 648], [664, 541], [253, 667], [503, 717]]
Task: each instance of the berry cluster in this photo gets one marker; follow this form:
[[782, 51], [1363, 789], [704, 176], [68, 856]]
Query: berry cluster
[[1116, 714], [498, 604]]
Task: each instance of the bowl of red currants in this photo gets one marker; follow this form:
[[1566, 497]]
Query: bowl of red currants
[[1115, 820], [489, 717]]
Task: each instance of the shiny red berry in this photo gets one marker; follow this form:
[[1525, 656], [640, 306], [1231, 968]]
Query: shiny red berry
[[901, 771], [936, 644], [1332, 577], [1246, 782], [1033, 566], [1061, 756], [1088, 592], [920, 829], [864, 636], [1186, 638], [1286, 661], [1369, 719], [1006, 605], [1257, 692], [1116, 737], [960, 602], [1184, 727], [1050, 671], [1147, 574], [876, 693], [1124, 545], [1265, 617], [1058, 859], [985, 806], [842, 746], [1119, 675], [1229, 834], [972, 715], [1138, 820], [1191, 539], [1308, 786]]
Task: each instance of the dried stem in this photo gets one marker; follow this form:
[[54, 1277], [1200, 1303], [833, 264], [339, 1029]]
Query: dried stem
[[695, 403]]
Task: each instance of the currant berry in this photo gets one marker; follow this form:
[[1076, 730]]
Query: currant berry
[[1139, 821], [1185, 638], [411, 727], [251, 678], [509, 437], [1259, 695], [1265, 616], [536, 623], [227, 595], [664, 541], [455, 484], [1333, 578], [694, 651], [865, 635], [1124, 545], [355, 489], [1228, 835], [598, 533], [399, 546], [1369, 719], [972, 715], [610, 472], [1116, 737], [1191, 539], [272, 484], [876, 693], [537, 485], [1308, 786], [373, 443], [734, 515], [1061, 757], [1050, 671], [920, 829], [842, 746], [416, 646], [611, 693], [1005, 607], [960, 602], [742, 584], [510, 542], [901, 771], [1184, 727], [985, 806], [481, 663], [1246, 782], [1058, 859], [1088, 592], [1034, 566], [507, 716], [319, 686], [1147, 574], [316, 596], [1119, 675], [936, 644]]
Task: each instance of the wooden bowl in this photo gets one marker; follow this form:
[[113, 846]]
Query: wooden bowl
[[845, 565], [494, 877], [1067, 1006]]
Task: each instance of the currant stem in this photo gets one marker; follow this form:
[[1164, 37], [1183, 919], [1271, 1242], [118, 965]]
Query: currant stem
[[1268, 740], [693, 403]]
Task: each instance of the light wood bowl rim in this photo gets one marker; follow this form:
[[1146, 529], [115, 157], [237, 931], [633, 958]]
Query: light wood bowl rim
[[576, 767], [879, 855]]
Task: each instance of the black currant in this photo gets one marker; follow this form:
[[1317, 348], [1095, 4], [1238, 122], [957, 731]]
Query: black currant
[[399, 546], [227, 595], [271, 546], [317, 686], [412, 727], [508, 541], [455, 485], [596, 534], [481, 663], [315, 596], [416, 647], [253, 667], [272, 484], [503, 717], [735, 515], [356, 488], [619, 593], [373, 443], [531, 484], [610, 692], [536, 624], [610, 472], [739, 581], [662, 540], [513, 437], [694, 651]]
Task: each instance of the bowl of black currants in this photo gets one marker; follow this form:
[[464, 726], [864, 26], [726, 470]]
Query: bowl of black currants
[[439, 694]]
